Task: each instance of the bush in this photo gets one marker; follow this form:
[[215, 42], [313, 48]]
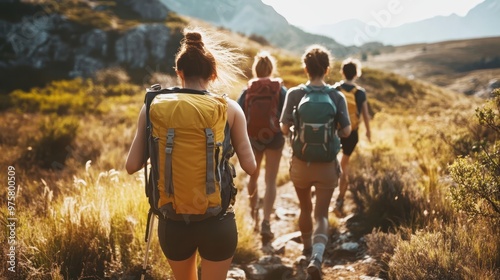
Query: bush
[[50, 149], [62, 97], [468, 251], [381, 246], [5, 102], [477, 176], [386, 202], [259, 39], [123, 89], [111, 77]]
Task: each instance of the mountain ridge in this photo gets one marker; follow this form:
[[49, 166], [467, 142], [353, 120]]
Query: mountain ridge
[[254, 17], [479, 22]]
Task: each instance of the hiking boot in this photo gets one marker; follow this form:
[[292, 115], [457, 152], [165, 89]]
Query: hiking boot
[[314, 269], [339, 205], [265, 232]]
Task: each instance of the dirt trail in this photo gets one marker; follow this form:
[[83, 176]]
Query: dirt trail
[[345, 255]]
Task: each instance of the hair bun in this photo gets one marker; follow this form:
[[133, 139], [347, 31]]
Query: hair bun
[[194, 39]]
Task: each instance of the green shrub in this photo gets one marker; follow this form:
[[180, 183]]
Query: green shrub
[[62, 97], [477, 177], [123, 89]]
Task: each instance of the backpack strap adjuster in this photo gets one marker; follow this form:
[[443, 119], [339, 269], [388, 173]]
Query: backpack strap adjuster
[[168, 161], [210, 179]]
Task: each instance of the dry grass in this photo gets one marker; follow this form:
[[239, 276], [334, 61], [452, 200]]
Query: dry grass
[[441, 254]]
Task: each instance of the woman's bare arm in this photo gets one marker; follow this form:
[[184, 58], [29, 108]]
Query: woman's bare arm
[[366, 120], [239, 137], [135, 158]]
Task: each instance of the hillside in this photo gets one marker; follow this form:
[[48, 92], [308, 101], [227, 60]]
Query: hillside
[[467, 66], [47, 41], [255, 18], [479, 22]]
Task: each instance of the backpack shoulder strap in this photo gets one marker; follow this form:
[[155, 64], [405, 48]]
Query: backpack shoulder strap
[[339, 87], [326, 89], [354, 89], [329, 88], [305, 88], [156, 89]]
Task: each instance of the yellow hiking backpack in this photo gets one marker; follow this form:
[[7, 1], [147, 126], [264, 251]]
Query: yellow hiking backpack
[[350, 97], [189, 146]]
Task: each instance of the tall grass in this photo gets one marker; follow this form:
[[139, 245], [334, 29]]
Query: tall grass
[[95, 230], [457, 251]]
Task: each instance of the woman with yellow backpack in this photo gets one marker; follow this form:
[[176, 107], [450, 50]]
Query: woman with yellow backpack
[[188, 221], [357, 106]]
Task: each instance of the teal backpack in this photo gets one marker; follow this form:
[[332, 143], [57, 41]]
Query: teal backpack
[[315, 138]]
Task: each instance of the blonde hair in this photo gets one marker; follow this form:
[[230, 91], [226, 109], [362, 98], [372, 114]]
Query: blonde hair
[[203, 54], [351, 68], [264, 65]]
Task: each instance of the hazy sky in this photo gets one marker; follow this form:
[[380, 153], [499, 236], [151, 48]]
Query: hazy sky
[[305, 13]]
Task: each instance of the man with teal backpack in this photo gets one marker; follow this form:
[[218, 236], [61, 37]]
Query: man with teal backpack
[[314, 112]]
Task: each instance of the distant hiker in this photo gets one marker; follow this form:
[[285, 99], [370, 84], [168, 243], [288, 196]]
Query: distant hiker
[[199, 63], [357, 105], [314, 111], [262, 103]]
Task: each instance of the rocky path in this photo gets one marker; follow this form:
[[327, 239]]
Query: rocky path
[[345, 256]]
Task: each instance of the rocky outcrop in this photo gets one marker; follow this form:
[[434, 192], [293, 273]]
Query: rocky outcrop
[[51, 46], [149, 10], [142, 44]]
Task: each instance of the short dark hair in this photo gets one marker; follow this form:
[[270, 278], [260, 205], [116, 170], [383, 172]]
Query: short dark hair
[[351, 68], [316, 60]]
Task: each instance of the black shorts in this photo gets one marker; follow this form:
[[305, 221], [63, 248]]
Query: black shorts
[[215, 238], [349, 143], [276, 143]]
